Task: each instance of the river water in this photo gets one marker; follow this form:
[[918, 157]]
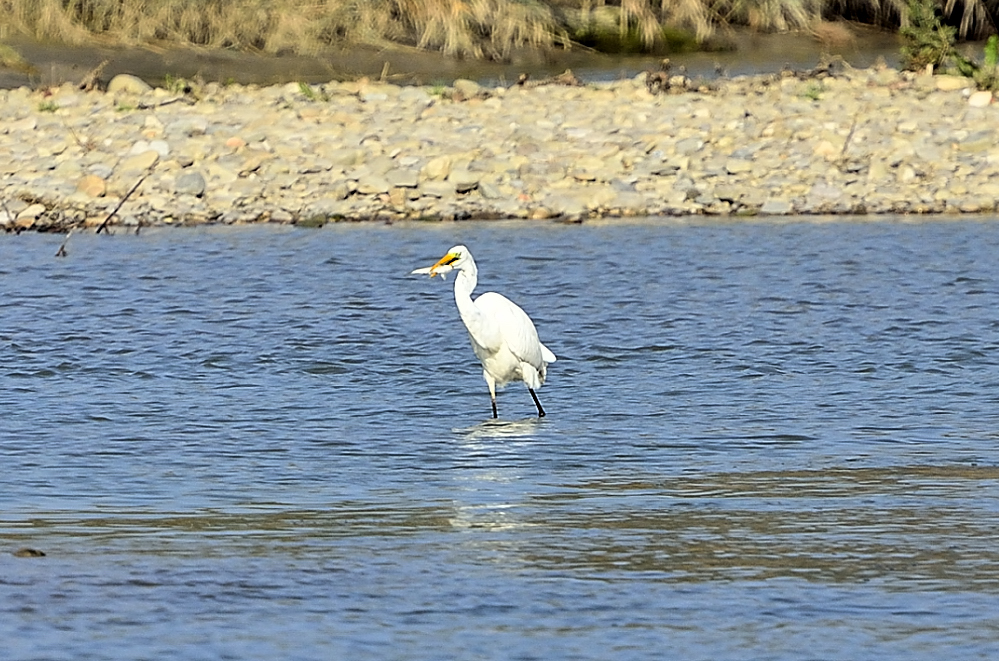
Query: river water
[[765, 440], [750, 53]]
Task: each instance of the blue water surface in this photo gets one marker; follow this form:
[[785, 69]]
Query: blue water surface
[[765, 440]]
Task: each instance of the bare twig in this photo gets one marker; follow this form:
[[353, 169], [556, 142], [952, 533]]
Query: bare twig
[[87, 146], [103, 225], [62, 248], [142, 105], [565, 78], [849, 136]]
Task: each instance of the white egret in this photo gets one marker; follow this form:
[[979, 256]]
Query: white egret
[[503, 336]]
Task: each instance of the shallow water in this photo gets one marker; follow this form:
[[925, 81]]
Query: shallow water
[[749, 53], [765, 440]]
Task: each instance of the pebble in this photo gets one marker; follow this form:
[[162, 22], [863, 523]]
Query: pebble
[[190, 183], [947, 83], [437, 168], [91, 185], [875, 141], [980, 99], [143, 160], [466, 89]]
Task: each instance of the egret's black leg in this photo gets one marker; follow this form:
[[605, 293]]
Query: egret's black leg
[[495, 412], [541, 411]]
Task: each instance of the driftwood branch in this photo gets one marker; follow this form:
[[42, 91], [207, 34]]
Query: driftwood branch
[[103, 226], [92, 81], [849, 136], [143, 105]]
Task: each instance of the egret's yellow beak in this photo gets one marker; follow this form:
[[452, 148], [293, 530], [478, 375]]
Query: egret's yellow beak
[[442, 267], [446, 260]]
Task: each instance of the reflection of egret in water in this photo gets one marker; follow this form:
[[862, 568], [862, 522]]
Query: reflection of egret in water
[[489, 476], [500, 430]]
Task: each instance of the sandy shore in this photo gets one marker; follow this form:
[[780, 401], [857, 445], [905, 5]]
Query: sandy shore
[[842, 141]]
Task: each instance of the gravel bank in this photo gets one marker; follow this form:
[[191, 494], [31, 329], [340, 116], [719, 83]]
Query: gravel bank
[[862, 141]]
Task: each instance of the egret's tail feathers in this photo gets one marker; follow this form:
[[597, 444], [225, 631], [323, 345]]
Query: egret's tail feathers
[[547, 355]]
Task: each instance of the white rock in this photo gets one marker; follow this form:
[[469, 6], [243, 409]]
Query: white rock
[[980, 99], [160, 147], [776, 207], [26, 124], [437, 168], [31, 212], [124, 83], [953, 83], [736, 165]]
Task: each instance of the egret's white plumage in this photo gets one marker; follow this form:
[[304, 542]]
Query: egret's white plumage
[[503, 336]]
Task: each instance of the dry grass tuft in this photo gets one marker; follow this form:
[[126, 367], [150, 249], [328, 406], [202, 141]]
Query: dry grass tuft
[[11, 59], [834, 34]]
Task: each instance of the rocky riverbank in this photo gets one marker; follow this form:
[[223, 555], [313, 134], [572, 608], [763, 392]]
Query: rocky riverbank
[[840, 141]]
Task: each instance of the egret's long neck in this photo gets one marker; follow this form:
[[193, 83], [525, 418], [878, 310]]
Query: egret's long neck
[[464, 285]]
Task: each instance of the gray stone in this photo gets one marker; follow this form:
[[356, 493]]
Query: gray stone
[[373, 184], [416, 95], [324, 207], [634, 203], [729, 193], [823, 190], [373, 96], [489, 191], [466, 89], [141, 161], [31, 212], [437, 168], [738, 166], [403, 178], [436, 189], [689, 146], [566, 203], [160, 147], [338, 190], [102, 170], [190, 183], [776, 207], [464, 181], [187, 126]]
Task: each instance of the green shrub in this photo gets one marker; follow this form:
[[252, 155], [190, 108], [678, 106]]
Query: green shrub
[[987, 75], [926, 41]]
